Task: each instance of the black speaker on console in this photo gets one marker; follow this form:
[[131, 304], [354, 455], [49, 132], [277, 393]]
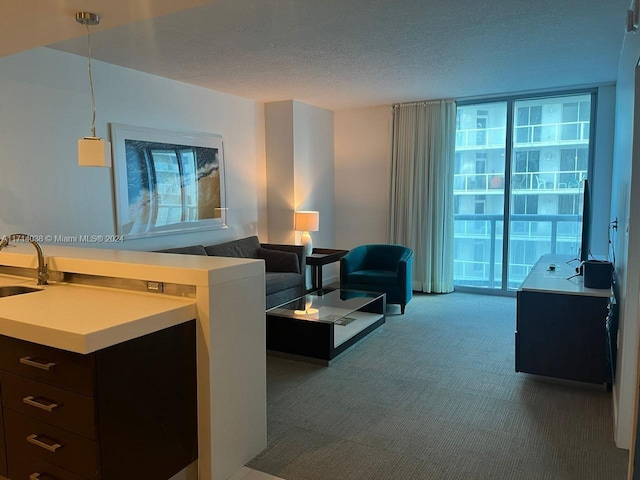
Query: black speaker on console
[[597, 274]]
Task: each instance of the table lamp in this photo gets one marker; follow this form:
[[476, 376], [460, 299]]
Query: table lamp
[[306, 221]]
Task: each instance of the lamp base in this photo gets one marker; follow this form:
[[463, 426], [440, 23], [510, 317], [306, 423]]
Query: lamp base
[[305, 241]]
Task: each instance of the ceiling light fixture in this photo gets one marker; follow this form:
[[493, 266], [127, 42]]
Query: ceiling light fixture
[[93, 151]]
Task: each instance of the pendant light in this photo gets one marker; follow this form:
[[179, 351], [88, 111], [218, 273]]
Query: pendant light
[[93, 151]]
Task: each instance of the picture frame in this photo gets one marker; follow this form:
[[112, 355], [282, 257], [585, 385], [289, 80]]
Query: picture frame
[[167, 182]]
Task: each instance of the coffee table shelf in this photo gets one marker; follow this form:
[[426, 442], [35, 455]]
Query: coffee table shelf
[[321, 325]]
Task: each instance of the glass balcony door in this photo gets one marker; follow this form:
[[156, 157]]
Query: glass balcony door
[[523, 160], [479, 186], [549, 163]]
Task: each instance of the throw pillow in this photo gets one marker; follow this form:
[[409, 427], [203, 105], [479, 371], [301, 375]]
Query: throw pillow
[[241, 248], [191, 250], [277, 261]]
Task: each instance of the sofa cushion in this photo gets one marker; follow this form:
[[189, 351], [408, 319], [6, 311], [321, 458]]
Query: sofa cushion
[[242, 248], [277, 281], [283, 296], [190, 250], [278, 261]]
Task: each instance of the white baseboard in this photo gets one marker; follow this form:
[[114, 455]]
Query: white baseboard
[[330, 280]]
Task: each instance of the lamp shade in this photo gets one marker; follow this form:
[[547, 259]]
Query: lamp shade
[[307, 221], [94, 152]]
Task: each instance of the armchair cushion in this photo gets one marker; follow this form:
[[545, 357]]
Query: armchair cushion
[[374, 277]]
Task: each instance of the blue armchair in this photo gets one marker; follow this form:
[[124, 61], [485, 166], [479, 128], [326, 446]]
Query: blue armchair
[[379, 268]]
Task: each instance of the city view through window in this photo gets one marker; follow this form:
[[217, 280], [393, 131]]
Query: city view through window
[[537, 178]]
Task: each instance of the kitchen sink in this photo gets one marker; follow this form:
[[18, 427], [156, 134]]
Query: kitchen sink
[[9, 290]]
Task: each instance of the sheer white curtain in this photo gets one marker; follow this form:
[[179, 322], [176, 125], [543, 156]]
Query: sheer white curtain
[[421, 215]]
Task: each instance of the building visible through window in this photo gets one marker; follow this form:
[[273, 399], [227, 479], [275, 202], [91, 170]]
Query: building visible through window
[[546, 165]]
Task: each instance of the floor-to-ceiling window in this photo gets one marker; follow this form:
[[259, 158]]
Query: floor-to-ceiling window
[[521, 159], [479, 193]]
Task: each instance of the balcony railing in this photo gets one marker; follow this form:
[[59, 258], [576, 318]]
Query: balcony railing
[[526, 135], [535, 234], [565, 182]]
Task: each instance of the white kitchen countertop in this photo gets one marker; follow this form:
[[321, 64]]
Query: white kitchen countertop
[[83, 319], [161, 267]]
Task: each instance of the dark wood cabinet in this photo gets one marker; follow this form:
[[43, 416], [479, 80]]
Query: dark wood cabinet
[[3, 449], [31, 438], [24, 467], [562, 336], [561, 325], [59, 407], [122, 413], [67, 370]]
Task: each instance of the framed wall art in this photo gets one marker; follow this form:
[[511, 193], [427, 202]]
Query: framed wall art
[[167, 182]]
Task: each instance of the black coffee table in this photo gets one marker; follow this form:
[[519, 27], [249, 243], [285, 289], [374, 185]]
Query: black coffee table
[[322, 324]]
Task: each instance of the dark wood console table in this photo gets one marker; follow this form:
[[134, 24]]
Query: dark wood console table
[[561, 324], [320, 257]]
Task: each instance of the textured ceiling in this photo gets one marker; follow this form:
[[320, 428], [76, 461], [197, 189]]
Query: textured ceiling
[[341, 54], [32, 23]]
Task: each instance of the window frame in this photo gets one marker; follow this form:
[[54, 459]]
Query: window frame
[[511, 146]]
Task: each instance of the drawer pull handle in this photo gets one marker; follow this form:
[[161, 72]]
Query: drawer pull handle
[[36, 476], [33, 439], [32, 363], [30, 400]]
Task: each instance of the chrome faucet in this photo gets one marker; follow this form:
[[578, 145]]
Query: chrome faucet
[[43, 273]]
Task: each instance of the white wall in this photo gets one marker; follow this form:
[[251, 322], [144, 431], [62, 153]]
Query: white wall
[[45, 107], [280, 170], [601, 171], [362, 175], [625, 205], [314, 167], [299, 144]]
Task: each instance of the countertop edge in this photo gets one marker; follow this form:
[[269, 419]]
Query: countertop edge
[[163, 267], [89, 343]]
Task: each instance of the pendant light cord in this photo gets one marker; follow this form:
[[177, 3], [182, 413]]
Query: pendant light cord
[[93, 99]]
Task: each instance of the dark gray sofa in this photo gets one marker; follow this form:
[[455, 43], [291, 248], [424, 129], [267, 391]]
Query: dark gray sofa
[[284, 264]]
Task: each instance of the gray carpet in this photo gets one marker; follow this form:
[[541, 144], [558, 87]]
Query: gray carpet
[[433, 395]]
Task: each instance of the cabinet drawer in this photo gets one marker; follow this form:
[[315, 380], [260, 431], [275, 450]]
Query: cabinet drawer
[[31, 468], [68, 410], [29, 438], [63, 369], [3, 451]]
